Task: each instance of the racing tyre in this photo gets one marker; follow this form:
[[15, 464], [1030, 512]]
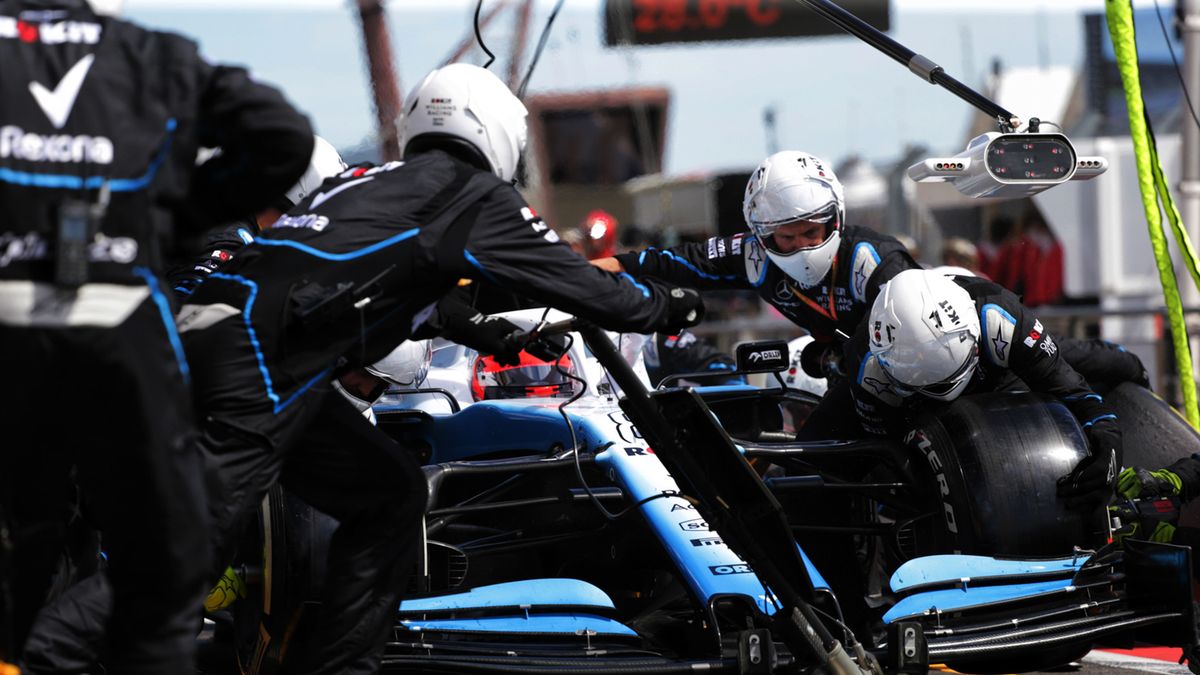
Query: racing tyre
[[1153, 434], [289, 544], [995, 459]]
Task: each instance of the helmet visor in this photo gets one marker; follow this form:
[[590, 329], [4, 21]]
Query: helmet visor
[[541, 380], [800, 233], [945, 390]]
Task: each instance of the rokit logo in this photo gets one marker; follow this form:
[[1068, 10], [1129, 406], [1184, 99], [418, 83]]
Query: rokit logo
[[61, 32], [15, 143]]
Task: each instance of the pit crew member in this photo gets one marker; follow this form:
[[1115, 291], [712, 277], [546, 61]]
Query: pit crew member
[[100, 121]]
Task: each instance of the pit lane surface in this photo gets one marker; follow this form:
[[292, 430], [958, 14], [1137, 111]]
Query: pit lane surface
[[1098, 662], [1122, 662]]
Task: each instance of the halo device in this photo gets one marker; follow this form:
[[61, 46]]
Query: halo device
[[1010, 165]]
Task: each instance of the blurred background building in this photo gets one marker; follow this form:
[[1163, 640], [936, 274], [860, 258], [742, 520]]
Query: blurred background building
[[657, 110]]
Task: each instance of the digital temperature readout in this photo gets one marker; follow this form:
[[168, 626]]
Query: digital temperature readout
[[1017, 157], [649, 22]]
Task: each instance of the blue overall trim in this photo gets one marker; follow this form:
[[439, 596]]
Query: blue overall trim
[[641, 287], [479, 266], [68, 182], [168, 318], [1109, 416], [1083, 397], [245, 235], [862, 367], [867, 245], [338, 257], [692, 268], [184, 291], [258, 355]]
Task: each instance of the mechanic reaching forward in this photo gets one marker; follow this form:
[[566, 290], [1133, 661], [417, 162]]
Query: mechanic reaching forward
[[931, 338], [799, 255], [100, 121], [339, 281]]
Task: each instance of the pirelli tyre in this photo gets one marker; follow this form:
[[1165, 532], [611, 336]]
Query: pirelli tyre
[[991, 462], [1153, 434], [286, 548]]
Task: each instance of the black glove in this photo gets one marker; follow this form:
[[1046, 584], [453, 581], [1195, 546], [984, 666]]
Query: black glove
[[493, 335], [1098, 471], [685, 308], [548, 347], [821, 360]]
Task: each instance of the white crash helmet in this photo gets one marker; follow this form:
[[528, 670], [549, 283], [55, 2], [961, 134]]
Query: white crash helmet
[[791, 186], [107, 7], [407, 365], [325, 162], [463, 103], [924, 329]]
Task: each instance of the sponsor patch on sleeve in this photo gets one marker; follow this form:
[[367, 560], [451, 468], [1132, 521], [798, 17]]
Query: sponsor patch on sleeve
[[1034, 334], [756, 262], [864, 262], [872, 378], [998, 328]]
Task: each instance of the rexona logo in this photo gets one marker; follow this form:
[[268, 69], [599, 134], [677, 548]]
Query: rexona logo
[[308, 221], [722, 570], [57, 33], [15, 143], [766, 355]]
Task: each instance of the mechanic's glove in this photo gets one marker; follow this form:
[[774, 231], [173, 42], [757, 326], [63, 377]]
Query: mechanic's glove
[[499, 337], [548, 347], [813, 358], [685, 308], [1137, 482], [228, 590], [1147, 530], [1097, 471]]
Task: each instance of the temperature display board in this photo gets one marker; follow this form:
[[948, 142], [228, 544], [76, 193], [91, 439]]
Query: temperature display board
[[1028, 157], [650, 22]]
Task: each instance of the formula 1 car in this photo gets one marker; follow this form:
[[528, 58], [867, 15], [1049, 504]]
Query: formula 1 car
[[626, 531]]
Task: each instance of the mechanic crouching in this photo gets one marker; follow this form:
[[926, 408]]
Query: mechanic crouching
[[931, 338]]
